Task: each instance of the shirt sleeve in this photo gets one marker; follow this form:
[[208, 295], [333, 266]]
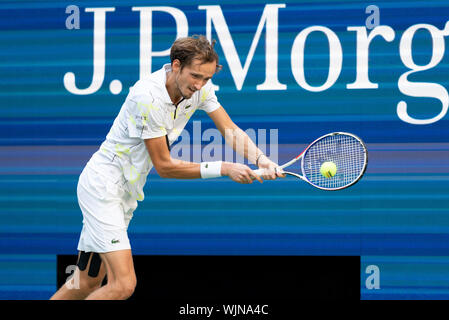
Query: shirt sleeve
[[145, 118], [208, 99]]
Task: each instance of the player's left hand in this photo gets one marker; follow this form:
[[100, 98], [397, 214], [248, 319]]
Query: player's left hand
[[270, 168]]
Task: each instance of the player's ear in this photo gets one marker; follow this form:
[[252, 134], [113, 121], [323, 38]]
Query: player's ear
[[176, 65]]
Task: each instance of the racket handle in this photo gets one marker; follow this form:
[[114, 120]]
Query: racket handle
[[259, 172]]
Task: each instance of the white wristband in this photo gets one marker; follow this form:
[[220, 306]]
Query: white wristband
[[210, 169]]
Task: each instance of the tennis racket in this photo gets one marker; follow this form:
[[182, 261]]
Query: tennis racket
[[347, 151]]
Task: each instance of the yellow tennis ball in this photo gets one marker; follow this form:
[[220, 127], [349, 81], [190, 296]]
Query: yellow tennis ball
[[328, 169]]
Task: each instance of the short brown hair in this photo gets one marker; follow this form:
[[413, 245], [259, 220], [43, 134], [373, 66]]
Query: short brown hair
[[195, 47]]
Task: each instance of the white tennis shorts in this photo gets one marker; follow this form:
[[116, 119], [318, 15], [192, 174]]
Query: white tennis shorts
[[107, 210]]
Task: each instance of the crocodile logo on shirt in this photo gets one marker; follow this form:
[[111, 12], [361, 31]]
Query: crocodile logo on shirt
[[114, 241]]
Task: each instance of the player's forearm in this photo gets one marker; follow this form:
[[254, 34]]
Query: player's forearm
[[242, 144], [178, 169]]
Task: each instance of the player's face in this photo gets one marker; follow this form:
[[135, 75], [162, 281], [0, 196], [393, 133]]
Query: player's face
[[194, 76]]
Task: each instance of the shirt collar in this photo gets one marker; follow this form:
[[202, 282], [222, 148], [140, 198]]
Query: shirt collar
[[165, 96]]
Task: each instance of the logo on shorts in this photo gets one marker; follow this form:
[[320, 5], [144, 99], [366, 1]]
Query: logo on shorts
[[114, 241]]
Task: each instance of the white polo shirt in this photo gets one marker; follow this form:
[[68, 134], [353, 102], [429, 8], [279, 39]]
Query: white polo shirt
[[147, 112]]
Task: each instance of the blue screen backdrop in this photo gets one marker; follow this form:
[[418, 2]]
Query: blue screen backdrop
[[395, 218]]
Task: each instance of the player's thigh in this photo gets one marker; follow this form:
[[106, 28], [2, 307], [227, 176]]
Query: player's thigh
[[120, 266], [91, 270]]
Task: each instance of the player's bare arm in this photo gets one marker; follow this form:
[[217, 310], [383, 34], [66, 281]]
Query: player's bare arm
[[167, 167], [242, 143]]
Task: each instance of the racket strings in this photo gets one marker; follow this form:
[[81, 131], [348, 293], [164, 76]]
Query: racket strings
[[346, 151]]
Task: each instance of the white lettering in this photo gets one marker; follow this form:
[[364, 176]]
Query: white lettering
[[422, 89], [270, 19], [335, 61], [363, 42], [146, 31], [98, 56]]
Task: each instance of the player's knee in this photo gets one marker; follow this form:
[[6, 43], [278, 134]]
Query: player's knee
[[124, 287], [128, 286]]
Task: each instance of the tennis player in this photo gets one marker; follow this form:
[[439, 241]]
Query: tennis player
[[153, 115]]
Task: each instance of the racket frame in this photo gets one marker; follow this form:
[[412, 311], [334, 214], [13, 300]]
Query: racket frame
[[301, 156]]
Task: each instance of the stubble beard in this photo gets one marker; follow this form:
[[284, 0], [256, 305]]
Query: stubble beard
[[178, 87]]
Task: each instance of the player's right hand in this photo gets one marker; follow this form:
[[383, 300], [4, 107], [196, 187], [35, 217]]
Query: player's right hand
[[272, 170], [239, 173]]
